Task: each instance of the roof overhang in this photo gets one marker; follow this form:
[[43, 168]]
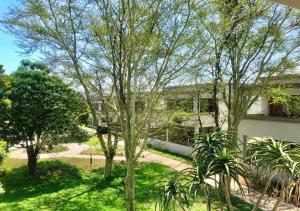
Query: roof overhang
[[290, 3]]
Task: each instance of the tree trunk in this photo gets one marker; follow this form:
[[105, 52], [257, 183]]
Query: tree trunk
[[130, 186], [227, 192], [32, 160], [208, 205], [108, 167], [281, 195], [264, 191]]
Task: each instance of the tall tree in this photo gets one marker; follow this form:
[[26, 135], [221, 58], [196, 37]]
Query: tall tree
[[144, 45], [59, 31], [251, 42], [42, 109]]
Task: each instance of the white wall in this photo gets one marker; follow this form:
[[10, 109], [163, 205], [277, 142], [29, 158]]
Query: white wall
[[171, 147], [289, 131]]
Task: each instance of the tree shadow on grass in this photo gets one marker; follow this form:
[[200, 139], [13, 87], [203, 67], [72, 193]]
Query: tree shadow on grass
[[59, 186], [51, 176]]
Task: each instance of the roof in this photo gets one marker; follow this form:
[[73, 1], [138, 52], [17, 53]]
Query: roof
[[290, 3]]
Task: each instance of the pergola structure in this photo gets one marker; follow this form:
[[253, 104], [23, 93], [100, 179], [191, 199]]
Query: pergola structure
[[291, 3]]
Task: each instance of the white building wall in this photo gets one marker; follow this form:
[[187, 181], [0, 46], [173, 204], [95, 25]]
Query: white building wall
[[288, 131]]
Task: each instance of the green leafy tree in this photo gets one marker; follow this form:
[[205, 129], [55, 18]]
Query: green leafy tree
[[42, 108], [5, 103], [58, 30]]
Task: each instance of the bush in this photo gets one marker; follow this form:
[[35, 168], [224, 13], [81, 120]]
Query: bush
[[2, 152], [180, 117]]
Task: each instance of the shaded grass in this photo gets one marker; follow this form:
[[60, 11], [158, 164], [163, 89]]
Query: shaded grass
[[68, 184], [12, 163]]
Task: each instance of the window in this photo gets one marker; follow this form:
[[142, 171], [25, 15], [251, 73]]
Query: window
[[96, 106], [185, 104], [275, 110], [207, 105], [139, 106]]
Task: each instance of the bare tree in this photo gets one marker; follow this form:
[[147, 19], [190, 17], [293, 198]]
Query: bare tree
[[57, 30], [144, 45], [251, 42]]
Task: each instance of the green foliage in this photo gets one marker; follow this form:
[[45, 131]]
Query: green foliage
[[92, 141], [5, 103], [3, 146], [173, 195], [213, 154], [209, 144], [27, 64], [275, 156], [59, 185], [1, 69], [171, 155], [180, 116], [43, 106], [280, 96]]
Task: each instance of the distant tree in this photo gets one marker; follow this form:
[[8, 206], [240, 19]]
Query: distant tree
[[1, 69], [42, 108], [4, 103], [28, 64]]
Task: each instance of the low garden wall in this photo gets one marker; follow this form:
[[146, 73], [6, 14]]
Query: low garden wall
[[171, 147]]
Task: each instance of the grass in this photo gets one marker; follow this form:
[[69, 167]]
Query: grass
[[92, 141], [98, 151], [181, 158], [68, 184], [12, 163], [55, 149]]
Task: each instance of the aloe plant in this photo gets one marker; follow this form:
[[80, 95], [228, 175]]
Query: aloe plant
[[217, 151], [274, 157], [172, 194]]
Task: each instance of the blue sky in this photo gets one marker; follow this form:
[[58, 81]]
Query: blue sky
[[9, 51]]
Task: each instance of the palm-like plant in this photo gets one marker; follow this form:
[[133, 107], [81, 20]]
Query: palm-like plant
[[274, 157], [200, 173], [172, 194], [218, 154], [214, 154], [206, 145]]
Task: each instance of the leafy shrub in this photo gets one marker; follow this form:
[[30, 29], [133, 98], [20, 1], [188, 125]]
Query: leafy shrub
[[180, 117], [2, 152]]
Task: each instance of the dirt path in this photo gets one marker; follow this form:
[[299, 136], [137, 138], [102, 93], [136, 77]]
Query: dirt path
[[75, 150]]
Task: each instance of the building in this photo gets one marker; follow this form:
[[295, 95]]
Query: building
[[280, 121]]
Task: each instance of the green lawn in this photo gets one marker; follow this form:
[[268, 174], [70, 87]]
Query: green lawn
[[97, 150], [173, 156], [68, 184], [92, 141]]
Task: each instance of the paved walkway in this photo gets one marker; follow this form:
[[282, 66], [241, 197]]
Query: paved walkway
[[76, 149]]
